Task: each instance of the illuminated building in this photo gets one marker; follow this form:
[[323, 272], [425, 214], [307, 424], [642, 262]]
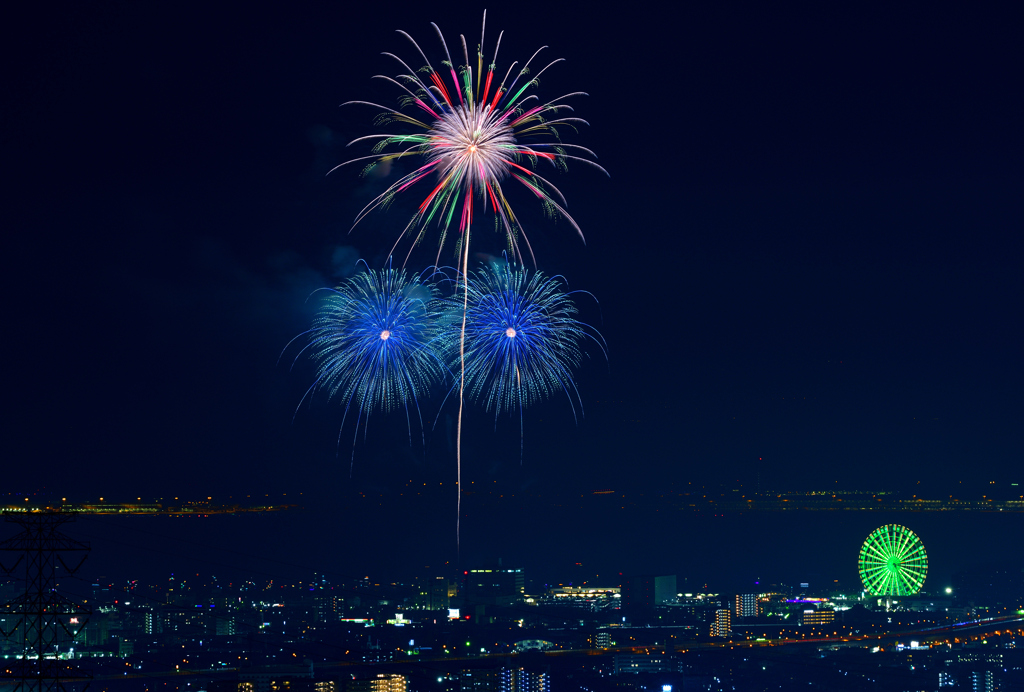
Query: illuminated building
[[290, 685], [522, 680], [643, 663], [494, 586], [154, 623], [746, 605], [587, 597], [994, 658], [503, 680], [981, 681], [481, 680], [382, 682], [721, 626], [825, 616], [325, 606], [434, 593]]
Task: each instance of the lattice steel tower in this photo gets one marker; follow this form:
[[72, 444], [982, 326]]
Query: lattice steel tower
[[40, 615]]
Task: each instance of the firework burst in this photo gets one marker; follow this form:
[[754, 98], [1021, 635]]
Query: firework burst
[[373, 341], [473, 140], [522, 338]]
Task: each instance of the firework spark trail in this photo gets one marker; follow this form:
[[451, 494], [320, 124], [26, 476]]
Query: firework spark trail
[[374, 341], [462, 393]]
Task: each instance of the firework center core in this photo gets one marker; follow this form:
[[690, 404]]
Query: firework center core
[[384, 335], [510, 332]]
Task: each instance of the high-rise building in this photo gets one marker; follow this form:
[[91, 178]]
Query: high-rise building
[[522, 680], [665, 589], [481, 680], [643, 592], [494, 585], [96, 632], [981, 681], [226, 626], [325, 606], [746, 605], [154, 623], [721, 626], [638, 593], [503, 680], [437, 595]]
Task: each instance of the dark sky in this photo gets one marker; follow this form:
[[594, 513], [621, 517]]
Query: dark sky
[[807, 261]]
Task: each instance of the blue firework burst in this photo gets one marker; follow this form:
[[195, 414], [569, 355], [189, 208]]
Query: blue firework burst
[[374, 341], [522, 338]]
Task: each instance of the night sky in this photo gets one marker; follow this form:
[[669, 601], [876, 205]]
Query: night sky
[[806, 264]]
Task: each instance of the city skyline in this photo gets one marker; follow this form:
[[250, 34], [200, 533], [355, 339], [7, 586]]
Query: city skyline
[[475, 630]]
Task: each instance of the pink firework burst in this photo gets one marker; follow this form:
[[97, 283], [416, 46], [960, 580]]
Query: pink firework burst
[[471, 141]]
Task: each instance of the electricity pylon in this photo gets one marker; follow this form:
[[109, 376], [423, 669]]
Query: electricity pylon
[[40, 614]]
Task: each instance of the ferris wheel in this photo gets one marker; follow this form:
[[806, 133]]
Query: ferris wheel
[[892, 562]]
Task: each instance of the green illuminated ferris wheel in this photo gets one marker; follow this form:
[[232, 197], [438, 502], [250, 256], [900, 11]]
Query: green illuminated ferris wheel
[[893, 562]]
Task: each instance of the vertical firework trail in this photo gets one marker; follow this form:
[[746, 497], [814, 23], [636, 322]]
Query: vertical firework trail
[[471, 142]]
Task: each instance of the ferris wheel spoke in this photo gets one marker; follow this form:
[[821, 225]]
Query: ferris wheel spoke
[[887, 583], [900, 578], [877, 551], [904, 546], [880, 582], [880, 575], [910, 580], [872, 580]]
